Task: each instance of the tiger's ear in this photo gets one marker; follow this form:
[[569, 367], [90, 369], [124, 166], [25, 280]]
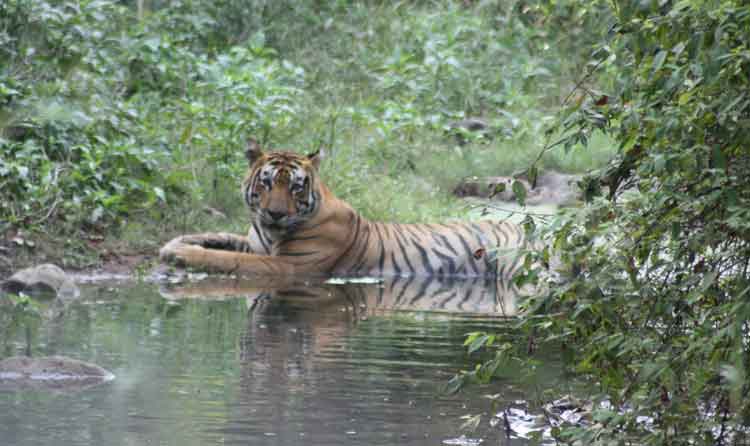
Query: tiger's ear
[[253, 151], [315, 158]]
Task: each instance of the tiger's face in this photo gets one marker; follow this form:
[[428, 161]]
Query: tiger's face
[[281, 189]]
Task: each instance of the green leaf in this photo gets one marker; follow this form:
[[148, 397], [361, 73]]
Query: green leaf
[[658, 61], [498, 189], [519, 190], [532, 174], [684, 98], [718, 158], [478, 343]]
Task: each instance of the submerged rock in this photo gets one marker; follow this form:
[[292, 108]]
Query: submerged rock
[[45, 280], [51, 372]]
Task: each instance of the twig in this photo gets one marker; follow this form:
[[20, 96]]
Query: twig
[[547, 147], [514, 211], [49, 213], [581, 81]]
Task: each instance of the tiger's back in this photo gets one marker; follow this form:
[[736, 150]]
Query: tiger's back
[[452, 249]]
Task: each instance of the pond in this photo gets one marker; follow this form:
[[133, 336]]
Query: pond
[[225, 361]]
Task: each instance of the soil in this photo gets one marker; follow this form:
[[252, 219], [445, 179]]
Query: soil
[[94, 259]]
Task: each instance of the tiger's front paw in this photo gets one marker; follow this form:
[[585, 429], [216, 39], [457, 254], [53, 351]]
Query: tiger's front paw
[[180, 254]]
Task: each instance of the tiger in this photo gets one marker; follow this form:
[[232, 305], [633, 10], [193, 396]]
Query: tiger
[[299, 227]]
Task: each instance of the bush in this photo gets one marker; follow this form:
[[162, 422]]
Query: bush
[[83, 130], [656, 313]]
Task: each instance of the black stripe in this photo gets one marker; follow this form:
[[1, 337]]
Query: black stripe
[[297, 254], [465, 299], [435, 295], [411, 229], [425, 257], [446, 258], [469, 254], [445, 242], [362, 256], [354, 216], [404, 289], [381, 259], [447, 299], [260, 237], [300, 239], [393, 284], [396, 268], [421, 293], [403, 252]]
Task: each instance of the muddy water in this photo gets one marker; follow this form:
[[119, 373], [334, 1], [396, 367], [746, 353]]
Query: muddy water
[[237, 362]]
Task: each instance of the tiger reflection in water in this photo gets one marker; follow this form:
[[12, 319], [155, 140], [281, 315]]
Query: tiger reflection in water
[[299, 331], [321, 313], [481, 295], [313, 355]]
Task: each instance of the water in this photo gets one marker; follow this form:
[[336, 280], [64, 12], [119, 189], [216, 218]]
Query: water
[[237, 362]]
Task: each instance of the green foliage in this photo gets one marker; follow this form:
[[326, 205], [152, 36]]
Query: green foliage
[[82, 127], [70, 154], [655, 309]]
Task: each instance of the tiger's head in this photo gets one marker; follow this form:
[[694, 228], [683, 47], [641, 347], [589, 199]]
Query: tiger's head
[[281, 188]]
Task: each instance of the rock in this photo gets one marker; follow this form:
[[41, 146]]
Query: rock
[[486, 187], [470, 124], [460, 129], [45, 280], [473, 187], [51, 372], [551, 188]]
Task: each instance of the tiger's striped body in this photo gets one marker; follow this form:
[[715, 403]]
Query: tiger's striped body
[[300, 227]]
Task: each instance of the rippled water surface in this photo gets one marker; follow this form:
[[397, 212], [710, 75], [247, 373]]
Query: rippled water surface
[[227, 362]]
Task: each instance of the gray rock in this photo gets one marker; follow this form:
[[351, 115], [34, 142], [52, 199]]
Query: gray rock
[[45, 280], [459, 129], [51, 372], [551, 188], [470, 124]]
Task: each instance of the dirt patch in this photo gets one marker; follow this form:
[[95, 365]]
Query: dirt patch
[[89, 257]]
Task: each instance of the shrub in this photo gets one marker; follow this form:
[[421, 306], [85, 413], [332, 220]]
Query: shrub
[[656, 313]]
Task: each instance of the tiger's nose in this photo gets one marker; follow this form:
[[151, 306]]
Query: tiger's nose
[[276, 216]]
